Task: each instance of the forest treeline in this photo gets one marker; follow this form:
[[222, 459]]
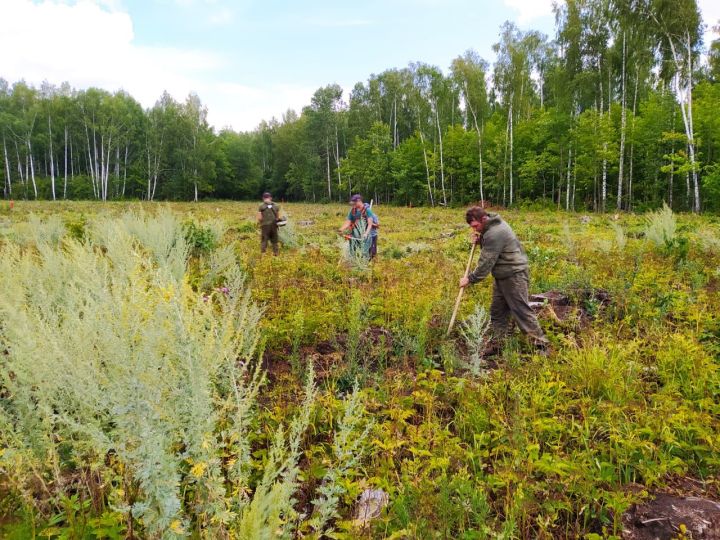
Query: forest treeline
[[619, 110]]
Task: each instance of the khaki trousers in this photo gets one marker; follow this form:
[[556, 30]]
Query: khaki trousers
[[510, 298]]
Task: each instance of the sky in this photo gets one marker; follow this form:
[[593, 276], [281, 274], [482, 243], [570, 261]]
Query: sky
[[249, 60]]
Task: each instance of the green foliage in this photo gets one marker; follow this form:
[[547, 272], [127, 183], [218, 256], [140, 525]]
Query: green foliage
[[582, 121], [133, 397], [298, 333], [77, 227], [203, 238], [355, 326]]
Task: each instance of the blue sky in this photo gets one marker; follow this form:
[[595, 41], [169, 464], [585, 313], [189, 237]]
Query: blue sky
[[248, 60], [311, 43]]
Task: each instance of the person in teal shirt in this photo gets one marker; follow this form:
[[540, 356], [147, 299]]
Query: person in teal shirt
[[360, 221]]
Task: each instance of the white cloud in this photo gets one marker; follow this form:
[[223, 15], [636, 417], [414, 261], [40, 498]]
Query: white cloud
[[221, 17], [211, 12], [91, 43], [243, 107], [337, 23], [85, 45], [710, 10], [529, 10]]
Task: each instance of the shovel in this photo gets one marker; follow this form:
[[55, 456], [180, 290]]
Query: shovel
[[462, 289]]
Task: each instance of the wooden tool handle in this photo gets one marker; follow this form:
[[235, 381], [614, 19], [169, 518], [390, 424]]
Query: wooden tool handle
[[462, 289]]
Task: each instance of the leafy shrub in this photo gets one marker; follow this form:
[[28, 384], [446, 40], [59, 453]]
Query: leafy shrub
[[394, 252], [246, 227], [203, 237], [76, 227], [684, 367]]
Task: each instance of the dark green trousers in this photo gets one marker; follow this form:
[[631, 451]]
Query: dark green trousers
[[269, 232], [510, 298]]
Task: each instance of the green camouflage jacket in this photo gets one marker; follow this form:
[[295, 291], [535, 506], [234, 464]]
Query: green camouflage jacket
[[502, 254]]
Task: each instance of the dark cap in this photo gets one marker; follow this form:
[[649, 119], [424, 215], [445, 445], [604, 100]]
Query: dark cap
[[356, 197], [266, 195]]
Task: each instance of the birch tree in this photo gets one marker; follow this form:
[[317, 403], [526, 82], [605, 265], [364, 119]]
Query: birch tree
[[678, 25], [469, 73]]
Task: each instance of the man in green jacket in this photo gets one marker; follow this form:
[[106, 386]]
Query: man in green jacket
[[504, 257], [268, 215]]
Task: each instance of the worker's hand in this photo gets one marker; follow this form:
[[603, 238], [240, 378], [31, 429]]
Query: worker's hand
[[464, 282], [474, 237]]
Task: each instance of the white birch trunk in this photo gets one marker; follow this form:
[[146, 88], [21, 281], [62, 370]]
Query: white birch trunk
[[125, 171], [149, 169], [507, 144], [7, 168], [442, 166], [672, 163], [623, 121], [337, 157], [510, 120], [603, 188], [32, 167], [427, 168], [52, 160], [632, 141], [66, 164], [685, 98], [696, 180], [91, 165], [72, 162], [479, 133], [567, 185], [327, 159], [97, 166], [19, 164]]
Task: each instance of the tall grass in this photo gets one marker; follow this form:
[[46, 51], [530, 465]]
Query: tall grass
[[661, 227], [620, 237]]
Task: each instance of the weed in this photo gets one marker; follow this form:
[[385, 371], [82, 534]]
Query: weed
[[474, 330]]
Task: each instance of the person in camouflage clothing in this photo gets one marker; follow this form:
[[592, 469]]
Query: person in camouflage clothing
[[503, 256], [268, 215]]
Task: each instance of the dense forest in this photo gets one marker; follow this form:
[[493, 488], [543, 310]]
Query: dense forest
[[618, 110]]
